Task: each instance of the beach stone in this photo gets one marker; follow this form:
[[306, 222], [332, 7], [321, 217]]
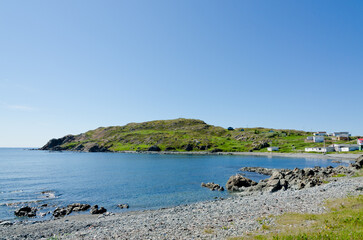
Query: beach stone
[[237, 181]]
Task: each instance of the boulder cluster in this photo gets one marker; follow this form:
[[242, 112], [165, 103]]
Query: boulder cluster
[[96, 210], [283, 179], [26, 212], [75, 207], [212, 186]]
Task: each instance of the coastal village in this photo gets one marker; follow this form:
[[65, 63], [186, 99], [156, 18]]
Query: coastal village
[[333, 142]]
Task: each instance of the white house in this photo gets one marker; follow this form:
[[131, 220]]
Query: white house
[[318, 139], [348, 149], [360, 141], [270, 149], [320, 134], [310, 138], [345, 147], [319, 149]]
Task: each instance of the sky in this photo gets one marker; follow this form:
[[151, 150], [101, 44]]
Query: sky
[[74, 65]]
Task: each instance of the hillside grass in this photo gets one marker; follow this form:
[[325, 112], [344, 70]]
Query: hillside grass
[[194, 135], [343, 221]]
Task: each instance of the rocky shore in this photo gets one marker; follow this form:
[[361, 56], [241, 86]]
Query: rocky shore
[[216, 219]]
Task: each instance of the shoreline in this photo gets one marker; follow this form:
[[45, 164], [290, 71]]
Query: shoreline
[[346, 156], [203, 220]]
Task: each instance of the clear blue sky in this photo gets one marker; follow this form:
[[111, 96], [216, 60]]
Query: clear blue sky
[[70, 66]]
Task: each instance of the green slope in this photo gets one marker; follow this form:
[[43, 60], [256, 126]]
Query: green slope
[[181, 135]]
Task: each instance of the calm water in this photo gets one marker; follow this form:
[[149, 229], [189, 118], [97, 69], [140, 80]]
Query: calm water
[[144, 181]]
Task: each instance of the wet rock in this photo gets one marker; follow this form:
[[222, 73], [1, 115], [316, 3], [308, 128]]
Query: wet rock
[[125, 205], [26, 212], [212, 186], [96, 210], [6, 223]]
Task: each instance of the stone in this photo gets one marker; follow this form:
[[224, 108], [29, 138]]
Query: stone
[[212, 186], [96, 210], [238, 181], [122, 206], [26, 212]]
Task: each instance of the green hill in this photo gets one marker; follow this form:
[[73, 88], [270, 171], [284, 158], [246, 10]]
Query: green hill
[[180, 135]]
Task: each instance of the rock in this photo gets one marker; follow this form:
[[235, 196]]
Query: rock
[[170, 149], [125, 205], [96, 210], [238, 181], [60, 212], [359, 189], [212, 186], [54, 144], [358, 163], [154, 148], [259, 145], [189, 147], [94, 147], [26, 212], [76, 207], [6, 223]]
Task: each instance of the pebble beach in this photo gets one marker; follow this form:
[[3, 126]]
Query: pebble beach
[[218, 219]]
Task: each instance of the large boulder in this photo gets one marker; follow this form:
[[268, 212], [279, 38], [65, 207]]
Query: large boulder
[[358, 163], [26, 212], [236, 182]]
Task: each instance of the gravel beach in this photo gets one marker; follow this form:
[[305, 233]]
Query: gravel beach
[[217, 219]]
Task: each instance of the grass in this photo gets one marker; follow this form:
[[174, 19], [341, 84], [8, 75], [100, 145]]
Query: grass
[[343, 221], [339, 175], [194, 135]]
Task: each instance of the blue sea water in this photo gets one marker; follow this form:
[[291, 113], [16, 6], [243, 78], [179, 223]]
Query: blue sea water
[[144, 181]]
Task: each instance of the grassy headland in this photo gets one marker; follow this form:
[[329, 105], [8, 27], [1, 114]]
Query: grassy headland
[[183, 135]]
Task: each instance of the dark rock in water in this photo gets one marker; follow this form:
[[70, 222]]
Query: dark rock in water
[[212, 186], [96, 210], [60, 212], [154, 148], [26, 212], [75, 207], [125, 205], [238, 181]]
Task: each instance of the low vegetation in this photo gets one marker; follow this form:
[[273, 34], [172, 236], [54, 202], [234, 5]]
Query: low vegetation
[[188, 135], [344, 220]]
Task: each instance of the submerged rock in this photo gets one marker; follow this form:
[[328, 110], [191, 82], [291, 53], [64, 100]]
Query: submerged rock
[[125, 205]]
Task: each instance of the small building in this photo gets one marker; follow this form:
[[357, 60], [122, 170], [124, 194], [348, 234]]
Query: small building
[[270, 149], [319, 149], [348, 149], [320, 134], [318, 139], [341, 134], [345, 147], [309, 139]]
